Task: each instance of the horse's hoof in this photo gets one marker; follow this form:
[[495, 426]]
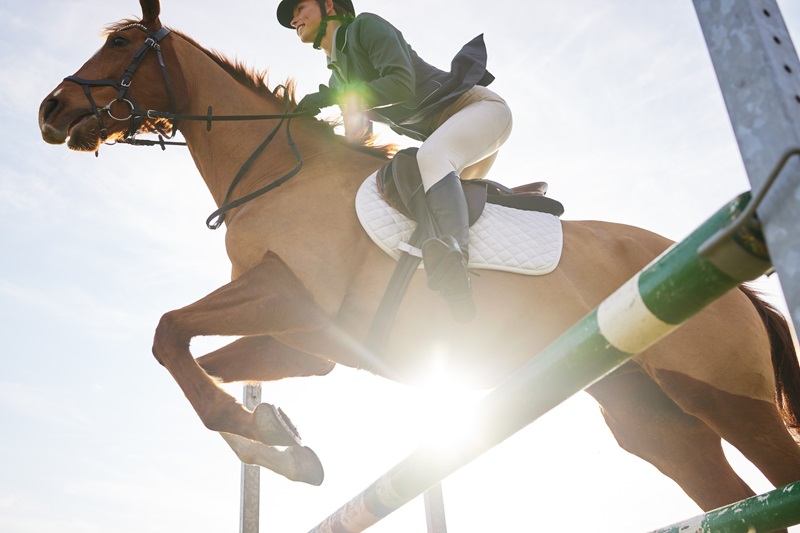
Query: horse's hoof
[[274, 427], [308, 467]]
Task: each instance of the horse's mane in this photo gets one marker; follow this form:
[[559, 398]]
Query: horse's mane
[[258, 81]]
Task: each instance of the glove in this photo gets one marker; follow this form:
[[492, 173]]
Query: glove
[[312, 103]]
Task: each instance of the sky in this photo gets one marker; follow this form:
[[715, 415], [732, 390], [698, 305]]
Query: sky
[[615, 104]]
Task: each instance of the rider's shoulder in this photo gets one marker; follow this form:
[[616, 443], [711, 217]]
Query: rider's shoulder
[[367, 21]]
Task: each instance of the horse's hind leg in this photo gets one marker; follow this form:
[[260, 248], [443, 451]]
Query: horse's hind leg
[[754, 427], [266, 300], [648, 424]]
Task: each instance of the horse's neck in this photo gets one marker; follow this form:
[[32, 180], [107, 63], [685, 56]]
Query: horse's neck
[[219, 153]]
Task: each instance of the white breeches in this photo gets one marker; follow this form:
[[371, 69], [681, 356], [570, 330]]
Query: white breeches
[[470, 131]]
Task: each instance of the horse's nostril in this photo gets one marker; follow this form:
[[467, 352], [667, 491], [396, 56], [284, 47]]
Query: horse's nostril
[[48, 106]]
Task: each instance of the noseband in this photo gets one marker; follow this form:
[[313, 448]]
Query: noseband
[[122, 86]]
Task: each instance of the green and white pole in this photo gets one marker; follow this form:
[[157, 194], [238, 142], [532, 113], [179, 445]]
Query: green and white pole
[[773, 510], [674, 287]]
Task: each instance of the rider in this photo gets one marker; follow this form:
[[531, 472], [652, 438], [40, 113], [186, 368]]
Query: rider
[[376, 75]]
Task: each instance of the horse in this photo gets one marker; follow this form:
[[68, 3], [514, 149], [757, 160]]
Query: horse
[[307, 280]]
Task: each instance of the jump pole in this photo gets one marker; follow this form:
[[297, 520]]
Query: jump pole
[[773, 510], [674, 287]]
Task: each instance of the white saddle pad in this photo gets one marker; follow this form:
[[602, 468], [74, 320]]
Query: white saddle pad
[[524, 242]]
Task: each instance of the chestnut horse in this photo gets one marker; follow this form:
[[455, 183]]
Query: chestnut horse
[[307, 281]]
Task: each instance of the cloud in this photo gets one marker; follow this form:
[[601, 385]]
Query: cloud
[[40, 404], [73, 306]]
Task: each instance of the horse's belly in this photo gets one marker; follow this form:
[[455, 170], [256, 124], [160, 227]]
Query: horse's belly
[[517, 316]]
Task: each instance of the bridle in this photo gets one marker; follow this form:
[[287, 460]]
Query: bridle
[[136, 115], [122, 86]]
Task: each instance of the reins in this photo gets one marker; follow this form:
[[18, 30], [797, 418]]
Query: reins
[[219, 214], [216, 219]]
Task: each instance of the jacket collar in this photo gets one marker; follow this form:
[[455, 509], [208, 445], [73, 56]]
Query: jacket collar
[[338, 61]]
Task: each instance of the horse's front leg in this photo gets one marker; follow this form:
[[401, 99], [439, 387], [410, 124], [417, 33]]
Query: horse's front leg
[[261, 358], [265, 358], [268, 299], [298, 463]]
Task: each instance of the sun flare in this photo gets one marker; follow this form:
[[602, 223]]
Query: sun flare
[[446, 422]]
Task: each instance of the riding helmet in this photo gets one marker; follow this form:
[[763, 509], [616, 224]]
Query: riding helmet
[[286, 10]]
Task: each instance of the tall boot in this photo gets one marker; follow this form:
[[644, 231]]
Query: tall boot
[[446, 255]]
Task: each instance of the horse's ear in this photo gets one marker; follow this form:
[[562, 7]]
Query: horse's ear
[[150, 10]]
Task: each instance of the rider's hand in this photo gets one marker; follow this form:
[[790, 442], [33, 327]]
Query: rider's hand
[[314, 102], [357, 126]]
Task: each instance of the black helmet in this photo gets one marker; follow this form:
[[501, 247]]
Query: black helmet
[[286, 10]]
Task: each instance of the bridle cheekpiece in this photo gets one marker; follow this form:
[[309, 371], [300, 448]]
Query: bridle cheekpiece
[[124, 83]]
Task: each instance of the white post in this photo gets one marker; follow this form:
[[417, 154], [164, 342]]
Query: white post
[[434, 509], [250, 496]]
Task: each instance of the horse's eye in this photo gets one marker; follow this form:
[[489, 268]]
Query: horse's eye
[[119, 42]]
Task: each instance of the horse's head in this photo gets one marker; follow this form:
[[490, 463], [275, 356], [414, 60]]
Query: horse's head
[[101, 100]]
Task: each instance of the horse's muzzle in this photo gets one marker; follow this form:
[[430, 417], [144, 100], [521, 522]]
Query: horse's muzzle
[[51, 133]]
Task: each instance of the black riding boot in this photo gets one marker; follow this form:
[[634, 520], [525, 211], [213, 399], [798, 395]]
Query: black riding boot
[[446, 255]]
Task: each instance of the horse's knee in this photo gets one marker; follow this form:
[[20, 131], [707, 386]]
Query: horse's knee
[[167, 337]]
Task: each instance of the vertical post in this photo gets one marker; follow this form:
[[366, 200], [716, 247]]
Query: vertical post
[[434, 509], [759, 75], [251, 475]]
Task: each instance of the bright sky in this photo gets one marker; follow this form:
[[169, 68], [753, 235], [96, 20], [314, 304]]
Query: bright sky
[[615, 104]]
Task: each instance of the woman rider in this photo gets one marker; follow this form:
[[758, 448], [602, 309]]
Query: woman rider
[[461, 123]]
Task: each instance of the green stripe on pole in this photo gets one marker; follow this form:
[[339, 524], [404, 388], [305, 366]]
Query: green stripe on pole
[[575, 360], [773, 510], [681, 282]]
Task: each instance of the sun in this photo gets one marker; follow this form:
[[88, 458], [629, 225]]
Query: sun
[[445, 421]]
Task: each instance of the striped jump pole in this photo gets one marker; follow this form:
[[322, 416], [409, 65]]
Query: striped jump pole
[[773, 510], [674, 287]]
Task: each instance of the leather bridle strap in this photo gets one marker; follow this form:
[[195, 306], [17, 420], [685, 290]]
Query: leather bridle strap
[[122, 86], [216, 218]]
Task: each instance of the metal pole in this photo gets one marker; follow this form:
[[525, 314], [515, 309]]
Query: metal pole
[[677, 285], [773, 510], [759, 75], [434, 509], [251, 475]]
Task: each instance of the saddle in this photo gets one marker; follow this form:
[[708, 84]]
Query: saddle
[[400, 184]]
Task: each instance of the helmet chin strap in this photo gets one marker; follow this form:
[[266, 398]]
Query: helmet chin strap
[[323, 28], [323, 25]]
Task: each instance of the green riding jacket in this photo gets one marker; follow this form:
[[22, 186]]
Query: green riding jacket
[[399, 88]]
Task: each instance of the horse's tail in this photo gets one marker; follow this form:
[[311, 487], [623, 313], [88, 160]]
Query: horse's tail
[[784, 361]]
